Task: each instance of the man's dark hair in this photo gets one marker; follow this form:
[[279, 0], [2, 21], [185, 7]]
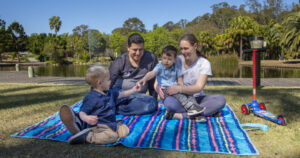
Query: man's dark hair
[[135, 38], [170, 51]]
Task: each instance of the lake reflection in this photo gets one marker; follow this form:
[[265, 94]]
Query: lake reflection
[[218, 71]]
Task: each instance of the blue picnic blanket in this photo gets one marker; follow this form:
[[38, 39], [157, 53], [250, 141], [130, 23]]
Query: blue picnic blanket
[[221, 134]]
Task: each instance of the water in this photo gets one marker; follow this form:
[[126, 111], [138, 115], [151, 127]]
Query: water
[[223, 70]]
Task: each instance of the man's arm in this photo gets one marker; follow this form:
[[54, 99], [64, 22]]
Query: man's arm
[[115, 69], [151, 88], [134, 89]]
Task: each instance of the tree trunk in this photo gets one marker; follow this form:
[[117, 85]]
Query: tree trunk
[[18, 57], [241, 48]]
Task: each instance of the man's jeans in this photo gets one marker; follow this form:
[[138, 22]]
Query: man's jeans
[[136, 104]]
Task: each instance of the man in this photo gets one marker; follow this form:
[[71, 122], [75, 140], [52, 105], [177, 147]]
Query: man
[[129, 68], [125, 71]]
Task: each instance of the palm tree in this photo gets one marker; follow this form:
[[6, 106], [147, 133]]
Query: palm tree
[[291, 36], [55, 23], [242, 26]]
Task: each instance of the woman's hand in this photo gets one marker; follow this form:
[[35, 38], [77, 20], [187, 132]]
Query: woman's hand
[[159, 89], [174, 89]]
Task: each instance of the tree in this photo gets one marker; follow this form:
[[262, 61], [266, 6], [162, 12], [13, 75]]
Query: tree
[[170, 26], [81, 30], [117, 43], [155, 26], [273, 35], [19, 38], [181, 23], [205, 40], [222, 14], [55, 23], [134, 25], [36, 43], [94, 42], [157, 39], [291, 35], [4, 38], [243, 26]]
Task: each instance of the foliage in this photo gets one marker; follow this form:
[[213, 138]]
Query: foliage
[[205, 40], [94, 42], [224, 31], [4, 38], [157, 39], [55, 23], [18, 38], [134, 24], [222, 14], [117, 42], [273, 35], [36, 43], [243, 26], [291, 36]]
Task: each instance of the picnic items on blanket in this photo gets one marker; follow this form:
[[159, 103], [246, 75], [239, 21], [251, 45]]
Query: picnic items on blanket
[[223, 134]]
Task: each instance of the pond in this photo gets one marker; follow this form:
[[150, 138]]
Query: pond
[[219, 71]]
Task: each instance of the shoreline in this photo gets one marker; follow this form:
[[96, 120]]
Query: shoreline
[[264, 63], [275, 63]]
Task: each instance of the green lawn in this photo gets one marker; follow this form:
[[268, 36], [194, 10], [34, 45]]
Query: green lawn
[[22, 105]]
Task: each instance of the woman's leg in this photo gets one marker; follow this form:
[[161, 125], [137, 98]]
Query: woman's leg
[[212, 103], [173, 105]]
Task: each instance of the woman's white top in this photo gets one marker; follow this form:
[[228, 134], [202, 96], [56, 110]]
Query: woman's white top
[[192, 73]]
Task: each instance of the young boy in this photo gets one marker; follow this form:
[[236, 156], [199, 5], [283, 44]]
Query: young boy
[[167, 73], [97, 122]]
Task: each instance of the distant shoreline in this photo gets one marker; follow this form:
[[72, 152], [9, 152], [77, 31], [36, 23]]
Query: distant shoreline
[[264, 63], [275, 63]]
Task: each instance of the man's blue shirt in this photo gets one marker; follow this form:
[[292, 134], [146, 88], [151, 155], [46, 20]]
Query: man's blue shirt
[[167, 77], [104, 106]]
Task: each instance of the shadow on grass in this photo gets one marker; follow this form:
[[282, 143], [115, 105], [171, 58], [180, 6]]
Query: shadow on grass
[[45, 148], [283, 101], [19, 100], [20, 89]]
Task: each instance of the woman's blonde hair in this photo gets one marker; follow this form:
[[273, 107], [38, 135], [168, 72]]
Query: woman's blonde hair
[[94, 73]]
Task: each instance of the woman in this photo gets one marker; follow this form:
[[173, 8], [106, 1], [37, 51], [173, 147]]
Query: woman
[[195, 69]]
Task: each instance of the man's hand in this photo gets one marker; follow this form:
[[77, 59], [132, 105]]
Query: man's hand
[[137, 87]]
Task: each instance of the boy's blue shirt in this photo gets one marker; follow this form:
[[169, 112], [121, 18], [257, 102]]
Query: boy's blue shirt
[[167, 77], [104, 106]]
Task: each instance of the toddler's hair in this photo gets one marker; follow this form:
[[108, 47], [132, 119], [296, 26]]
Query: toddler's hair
[[94, 73], [170, 51]]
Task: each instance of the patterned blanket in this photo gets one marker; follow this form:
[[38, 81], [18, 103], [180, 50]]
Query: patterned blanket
[[218, 135]]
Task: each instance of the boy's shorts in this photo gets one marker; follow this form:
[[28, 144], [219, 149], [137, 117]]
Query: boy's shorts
[[103, 134]]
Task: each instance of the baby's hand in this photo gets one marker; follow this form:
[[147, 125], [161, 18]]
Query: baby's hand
[[91, 119]]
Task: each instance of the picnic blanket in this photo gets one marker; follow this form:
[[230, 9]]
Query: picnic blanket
[[221, 134]]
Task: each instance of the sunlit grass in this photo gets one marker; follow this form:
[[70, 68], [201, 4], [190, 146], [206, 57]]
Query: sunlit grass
[[22, 105]]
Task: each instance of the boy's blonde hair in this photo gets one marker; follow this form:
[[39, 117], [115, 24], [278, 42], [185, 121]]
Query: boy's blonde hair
[[94, 73]]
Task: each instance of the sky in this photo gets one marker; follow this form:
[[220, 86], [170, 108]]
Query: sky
[[103, 15]]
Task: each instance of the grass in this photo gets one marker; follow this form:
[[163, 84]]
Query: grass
[[22, 105]]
